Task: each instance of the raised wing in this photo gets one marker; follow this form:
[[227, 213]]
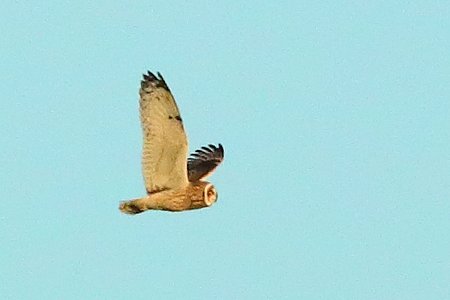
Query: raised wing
[[204, 161], [165, 145]]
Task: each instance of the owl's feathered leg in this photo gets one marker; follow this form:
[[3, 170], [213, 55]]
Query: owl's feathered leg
[[136, 206]]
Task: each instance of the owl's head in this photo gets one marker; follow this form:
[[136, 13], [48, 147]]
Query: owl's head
[[210, 194], [202, 194]]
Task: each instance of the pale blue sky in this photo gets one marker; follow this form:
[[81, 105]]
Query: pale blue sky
[[334, 116]]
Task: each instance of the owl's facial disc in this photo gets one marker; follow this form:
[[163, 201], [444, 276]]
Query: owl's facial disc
[[210, 194]]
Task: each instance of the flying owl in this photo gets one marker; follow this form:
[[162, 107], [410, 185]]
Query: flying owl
[[173, 181]]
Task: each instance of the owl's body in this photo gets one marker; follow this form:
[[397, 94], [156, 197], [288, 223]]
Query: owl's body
[[190, 197], [173, 182]]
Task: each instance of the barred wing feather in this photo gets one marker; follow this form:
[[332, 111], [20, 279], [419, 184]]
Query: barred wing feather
[[204, 161]]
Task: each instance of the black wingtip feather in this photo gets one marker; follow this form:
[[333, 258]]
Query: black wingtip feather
[[152, 80], [204, 153]]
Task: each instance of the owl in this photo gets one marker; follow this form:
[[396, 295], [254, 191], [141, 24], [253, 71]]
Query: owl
[[173, 181]]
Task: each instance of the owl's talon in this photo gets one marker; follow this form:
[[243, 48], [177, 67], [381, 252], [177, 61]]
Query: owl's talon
[[129, 208]]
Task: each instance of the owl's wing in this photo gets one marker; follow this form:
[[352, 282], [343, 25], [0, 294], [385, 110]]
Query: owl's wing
[[204, 161], [165, 145]]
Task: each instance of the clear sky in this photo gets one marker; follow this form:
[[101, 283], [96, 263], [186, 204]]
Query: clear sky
[[334, 116]]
